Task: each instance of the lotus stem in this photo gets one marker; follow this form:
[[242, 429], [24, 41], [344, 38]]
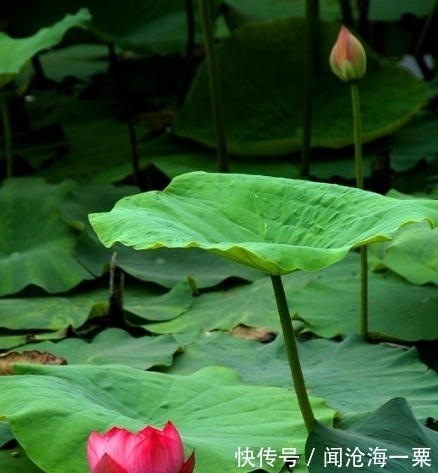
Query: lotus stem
[[215, 85], [7, 131], [312, 14], [292, 353], [359, 184]]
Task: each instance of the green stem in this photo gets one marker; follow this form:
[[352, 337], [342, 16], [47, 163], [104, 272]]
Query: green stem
[[215, 86], [7, 131], [292, 353], [357, 134], [359, 184], [312, 14]]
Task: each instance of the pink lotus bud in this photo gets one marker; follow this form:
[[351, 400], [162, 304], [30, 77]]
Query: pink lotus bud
[[348, 59], [150, 451]]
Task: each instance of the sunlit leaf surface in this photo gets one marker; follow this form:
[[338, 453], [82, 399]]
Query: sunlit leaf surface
[[272, 224]]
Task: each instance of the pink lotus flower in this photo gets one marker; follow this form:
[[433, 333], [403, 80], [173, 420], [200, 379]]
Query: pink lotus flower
[[348, 59], [150, 451]]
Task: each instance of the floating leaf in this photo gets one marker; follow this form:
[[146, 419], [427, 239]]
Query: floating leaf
[[397, 310], [36, 246], [57, 313], [165, 307], [250, 305], [347, 374], [213, 409], [113, 346], [263, 113], [272, 224], [47, 313]]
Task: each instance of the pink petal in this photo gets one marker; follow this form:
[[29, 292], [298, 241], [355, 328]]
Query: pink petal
[[171, 432], [95, 449], [117, 443], [343, 45], [148, 430], [189, 465], [108, 465], [157, 453]]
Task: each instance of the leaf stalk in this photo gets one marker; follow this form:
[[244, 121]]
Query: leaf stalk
[[359, 184], [215, 85], [312, 16], [292, 353]]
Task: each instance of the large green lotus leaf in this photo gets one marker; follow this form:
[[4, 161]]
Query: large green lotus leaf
[[272, 224], [36, 246], [52, 412], [17, 52], [397, 309], [263, 110], [112, 346], [166, 266], [413, 254], [347, 374], [391, 430]]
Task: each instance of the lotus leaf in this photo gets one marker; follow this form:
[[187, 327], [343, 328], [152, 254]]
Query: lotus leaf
[[261, 68], [17, 52], [276, 225]]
